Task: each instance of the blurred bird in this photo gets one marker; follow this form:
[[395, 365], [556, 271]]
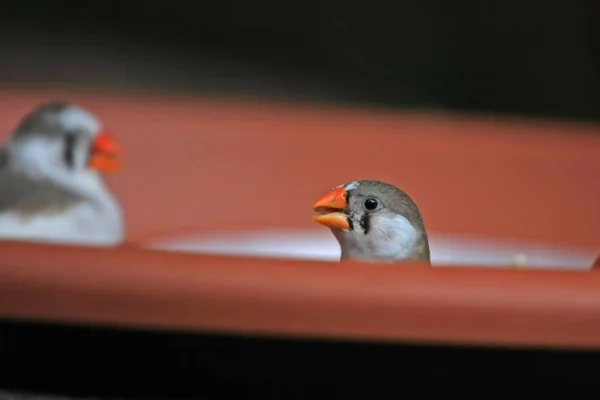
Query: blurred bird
[[51, 189], [374, 221]]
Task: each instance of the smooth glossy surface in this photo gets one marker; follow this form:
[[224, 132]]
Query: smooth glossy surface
[[142, 288]]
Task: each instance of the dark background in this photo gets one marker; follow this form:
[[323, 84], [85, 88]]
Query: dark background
[[93, 362], [537, 58]]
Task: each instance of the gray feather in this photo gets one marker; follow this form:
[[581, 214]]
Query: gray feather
[[42, 121], [28, 196]]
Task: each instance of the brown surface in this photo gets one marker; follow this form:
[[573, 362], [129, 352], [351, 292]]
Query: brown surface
[[596, 265], [199, 164], [136, 287], [195, 163]]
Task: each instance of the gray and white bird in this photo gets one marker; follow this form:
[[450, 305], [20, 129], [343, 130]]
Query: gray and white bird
[[51, 188], [374, 221]]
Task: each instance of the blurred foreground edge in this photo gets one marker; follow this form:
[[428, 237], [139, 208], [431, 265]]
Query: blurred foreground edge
[[136, 323], [135, 287]]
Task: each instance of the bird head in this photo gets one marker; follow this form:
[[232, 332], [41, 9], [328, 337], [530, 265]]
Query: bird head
[[64, 143], [374, 221]]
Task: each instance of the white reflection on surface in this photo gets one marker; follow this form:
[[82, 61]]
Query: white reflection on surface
[[321, 245]]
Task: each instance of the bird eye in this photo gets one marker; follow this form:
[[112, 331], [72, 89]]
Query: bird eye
[[371, 204]]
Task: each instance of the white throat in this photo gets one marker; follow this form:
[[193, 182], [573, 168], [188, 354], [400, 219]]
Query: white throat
[[391, 238]]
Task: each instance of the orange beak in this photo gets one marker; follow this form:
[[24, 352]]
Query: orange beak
[[105, 153], [330, 208]]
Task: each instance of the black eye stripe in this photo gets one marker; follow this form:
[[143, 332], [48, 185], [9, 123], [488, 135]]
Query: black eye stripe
[[69, 150], [365, 223]]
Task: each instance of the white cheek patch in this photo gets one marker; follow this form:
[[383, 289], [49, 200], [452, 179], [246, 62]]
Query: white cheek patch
[[390, 238], [75, 118], [402, 234]]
